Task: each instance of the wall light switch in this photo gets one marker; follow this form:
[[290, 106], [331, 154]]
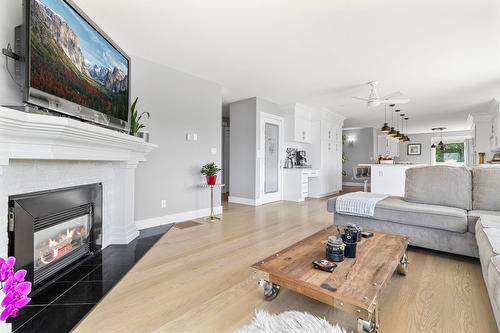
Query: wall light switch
[[163, 203], [188, 137], [195, 136], [213, 151]]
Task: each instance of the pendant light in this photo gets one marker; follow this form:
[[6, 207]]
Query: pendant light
[[385, 128], [392, 132], [407, 138], [440, 145], [403, 136], [398, 133]]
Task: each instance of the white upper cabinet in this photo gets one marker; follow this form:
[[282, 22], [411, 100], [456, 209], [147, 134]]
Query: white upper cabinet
[[327, 152], [495, 130], [298, 123]]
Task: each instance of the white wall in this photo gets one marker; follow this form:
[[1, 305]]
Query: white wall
[[179, 103], [242, 147], [245, 116], [10, 16], [362, 150], [425, 139]]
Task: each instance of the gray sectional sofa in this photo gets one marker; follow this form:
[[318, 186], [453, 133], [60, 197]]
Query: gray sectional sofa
[[440, 211], [488, 242]]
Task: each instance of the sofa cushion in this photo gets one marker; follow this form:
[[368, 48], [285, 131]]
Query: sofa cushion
[[395, 209], [486, 183], [490, 221], [473, 216], [493, 236], [439, 185]]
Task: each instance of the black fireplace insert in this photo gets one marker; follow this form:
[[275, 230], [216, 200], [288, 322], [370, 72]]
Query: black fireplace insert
[[51, 230]]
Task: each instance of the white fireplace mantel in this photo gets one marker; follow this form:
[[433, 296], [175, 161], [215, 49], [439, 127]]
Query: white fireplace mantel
[[43, 137], [42, 152]]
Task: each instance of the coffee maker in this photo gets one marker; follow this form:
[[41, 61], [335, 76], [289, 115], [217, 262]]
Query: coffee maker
[[300, 158], [290, 158]]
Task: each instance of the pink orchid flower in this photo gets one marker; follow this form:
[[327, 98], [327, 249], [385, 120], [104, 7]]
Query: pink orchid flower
[[15, 288]]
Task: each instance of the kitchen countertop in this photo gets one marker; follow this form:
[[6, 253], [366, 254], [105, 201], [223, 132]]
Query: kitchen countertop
[[392, 165], [300, 168]]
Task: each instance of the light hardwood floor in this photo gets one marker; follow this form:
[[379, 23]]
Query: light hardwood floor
[[197, 280]]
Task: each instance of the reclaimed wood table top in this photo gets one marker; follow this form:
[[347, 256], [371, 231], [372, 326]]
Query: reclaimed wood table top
[[354, 285]]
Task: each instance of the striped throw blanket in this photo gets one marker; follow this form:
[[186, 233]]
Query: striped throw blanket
[[358, 203]]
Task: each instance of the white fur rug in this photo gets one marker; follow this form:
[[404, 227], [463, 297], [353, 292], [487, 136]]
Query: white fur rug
[[289, 322]]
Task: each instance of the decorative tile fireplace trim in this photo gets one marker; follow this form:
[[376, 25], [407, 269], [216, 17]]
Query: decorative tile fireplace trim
[[41, 137]]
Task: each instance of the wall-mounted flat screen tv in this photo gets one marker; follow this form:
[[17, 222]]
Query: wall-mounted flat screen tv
[[72, 67]]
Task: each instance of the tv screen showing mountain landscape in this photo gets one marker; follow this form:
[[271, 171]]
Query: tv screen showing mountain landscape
[[71, 60]]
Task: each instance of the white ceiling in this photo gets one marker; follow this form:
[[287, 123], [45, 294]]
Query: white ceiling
[[442, 54]]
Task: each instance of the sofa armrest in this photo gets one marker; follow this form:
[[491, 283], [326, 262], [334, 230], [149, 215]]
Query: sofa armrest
[[330, 205]]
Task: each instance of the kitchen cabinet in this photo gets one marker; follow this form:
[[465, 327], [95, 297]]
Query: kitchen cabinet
[[327, 155], [296, 183], [387, 145], [390, 178], [495, 131], [298, 123]]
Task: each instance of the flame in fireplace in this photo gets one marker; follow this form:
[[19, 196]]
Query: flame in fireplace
[[61, 245]]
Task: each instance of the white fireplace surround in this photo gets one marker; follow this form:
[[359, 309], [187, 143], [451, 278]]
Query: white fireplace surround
[[42, 152]]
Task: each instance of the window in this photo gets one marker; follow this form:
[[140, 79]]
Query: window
[[451, 153]]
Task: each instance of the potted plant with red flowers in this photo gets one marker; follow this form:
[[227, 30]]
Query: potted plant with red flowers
[[210, 171]]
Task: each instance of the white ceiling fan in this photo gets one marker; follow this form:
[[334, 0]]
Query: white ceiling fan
[[375, 100]]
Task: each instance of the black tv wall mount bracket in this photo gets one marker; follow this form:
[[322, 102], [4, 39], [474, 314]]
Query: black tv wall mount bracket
[[9, 53]]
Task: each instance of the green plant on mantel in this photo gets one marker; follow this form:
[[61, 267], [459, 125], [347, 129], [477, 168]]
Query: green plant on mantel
[[210, 169], [135, 119], [344, 139]]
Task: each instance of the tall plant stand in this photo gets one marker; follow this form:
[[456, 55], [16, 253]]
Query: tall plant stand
[[212, 217]]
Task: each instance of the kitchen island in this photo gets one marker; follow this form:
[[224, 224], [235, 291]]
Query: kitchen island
[[389, 178]]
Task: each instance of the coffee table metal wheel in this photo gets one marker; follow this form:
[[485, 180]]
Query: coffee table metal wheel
[[403, 265], [271, 290], [370, 325]]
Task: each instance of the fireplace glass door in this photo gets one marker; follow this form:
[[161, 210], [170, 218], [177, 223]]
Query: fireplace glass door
[[61, 241]]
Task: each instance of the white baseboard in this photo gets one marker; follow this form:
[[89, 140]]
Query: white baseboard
[[244, 201], [319, 196], [353, 184], [174, 218], [121, 238]]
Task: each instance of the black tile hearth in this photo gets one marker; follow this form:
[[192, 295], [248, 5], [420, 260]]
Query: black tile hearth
[[85, 292], [73, 295], [77, 273], [56, 318], [51, 293]]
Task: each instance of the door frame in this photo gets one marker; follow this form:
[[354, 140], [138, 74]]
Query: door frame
[[280, 122]]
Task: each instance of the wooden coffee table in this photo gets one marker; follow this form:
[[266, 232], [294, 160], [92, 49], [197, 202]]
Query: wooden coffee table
[[355, 284]]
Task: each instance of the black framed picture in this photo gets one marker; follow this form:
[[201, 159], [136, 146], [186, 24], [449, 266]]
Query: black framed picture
[[414, 149]]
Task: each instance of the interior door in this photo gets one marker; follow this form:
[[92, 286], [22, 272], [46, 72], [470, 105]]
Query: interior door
[[272, 148]]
